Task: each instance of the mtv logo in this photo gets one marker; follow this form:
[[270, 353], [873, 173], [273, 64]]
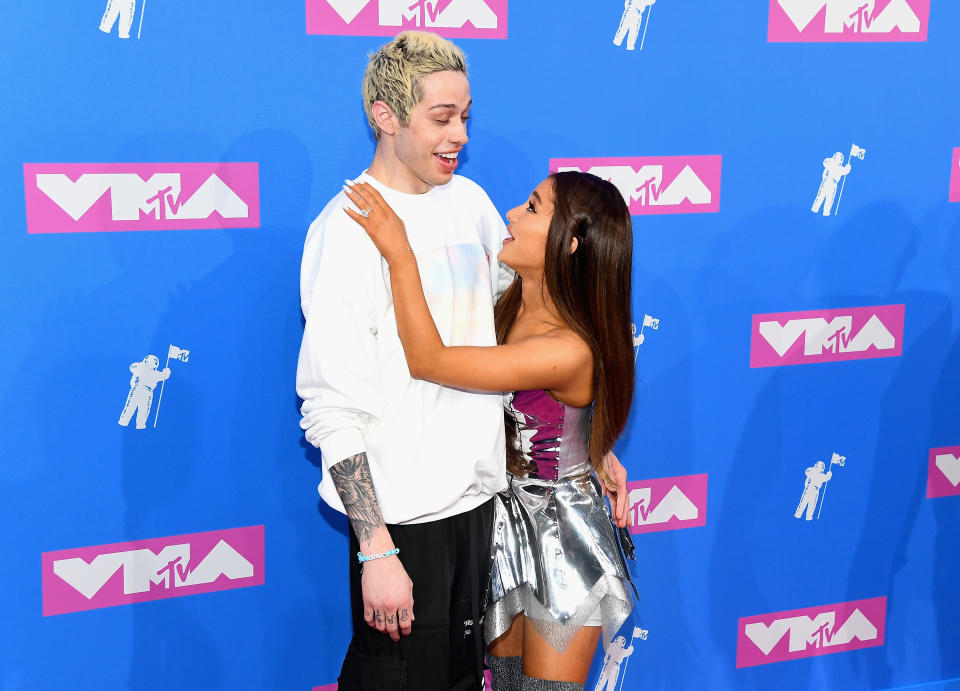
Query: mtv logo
[[656, 185], [668, 503], [850, 21], [943, 472], [955, 176], [91, 197], [812, 631], [448, 18], [855, 333], [128, 572]]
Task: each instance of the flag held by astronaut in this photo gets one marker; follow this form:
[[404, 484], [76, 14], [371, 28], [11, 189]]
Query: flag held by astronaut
[[838, 459], [175, 353], [651, 322], [856, 151]]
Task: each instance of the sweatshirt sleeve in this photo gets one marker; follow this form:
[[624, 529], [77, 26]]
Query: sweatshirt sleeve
[[337, 373]]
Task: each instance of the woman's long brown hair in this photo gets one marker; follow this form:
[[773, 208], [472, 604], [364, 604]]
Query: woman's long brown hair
[[590, 289]]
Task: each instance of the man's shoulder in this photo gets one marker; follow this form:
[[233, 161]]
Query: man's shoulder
[[333, 226], [465, 185]]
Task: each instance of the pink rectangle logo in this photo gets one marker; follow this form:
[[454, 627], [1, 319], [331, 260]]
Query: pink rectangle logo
[[780, 636], [127, 572], [97, 197], [448, 18], [667, 503], [943, 473], [854, 333], [656, 184], [955, 176], [847, 21]]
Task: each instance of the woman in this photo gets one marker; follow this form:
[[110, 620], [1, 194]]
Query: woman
[[567, 353]]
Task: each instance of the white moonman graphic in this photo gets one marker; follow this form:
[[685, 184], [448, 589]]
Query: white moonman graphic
[[833, 170], [630, 22], [811, 489], [617, 652], [122, 9], [145, 378]]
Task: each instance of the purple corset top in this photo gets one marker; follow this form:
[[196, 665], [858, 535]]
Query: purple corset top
[[551, 436]]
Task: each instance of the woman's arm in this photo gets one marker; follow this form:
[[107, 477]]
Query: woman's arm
[[551, 361]]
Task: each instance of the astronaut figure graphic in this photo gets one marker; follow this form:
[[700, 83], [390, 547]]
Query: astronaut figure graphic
[[811, 488], [124, 9], [617, 652], [833, 170], [630, 22], [145, 378]]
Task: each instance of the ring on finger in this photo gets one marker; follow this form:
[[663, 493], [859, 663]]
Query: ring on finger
[[366, 212]]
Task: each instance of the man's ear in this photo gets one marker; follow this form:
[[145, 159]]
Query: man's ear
[[385, 118], [574, 244]]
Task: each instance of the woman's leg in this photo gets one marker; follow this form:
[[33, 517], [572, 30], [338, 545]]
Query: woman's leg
[[504, 655], [545, 668]]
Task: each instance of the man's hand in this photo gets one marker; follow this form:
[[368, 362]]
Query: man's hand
[[387, 597], [615, 487]]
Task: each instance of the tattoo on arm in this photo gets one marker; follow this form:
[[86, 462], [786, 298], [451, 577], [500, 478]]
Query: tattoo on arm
[[351, 477]]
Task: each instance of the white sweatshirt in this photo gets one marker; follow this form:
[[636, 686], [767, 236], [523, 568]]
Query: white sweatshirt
[[433, 451]]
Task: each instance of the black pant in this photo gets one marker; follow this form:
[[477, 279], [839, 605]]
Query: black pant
[[449, 563]]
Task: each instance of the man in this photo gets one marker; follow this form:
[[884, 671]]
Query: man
[[412, 464]]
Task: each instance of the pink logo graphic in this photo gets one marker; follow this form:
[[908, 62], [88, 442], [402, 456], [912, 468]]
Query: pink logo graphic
[[848, 21], [449, 18], [128, 572], [943, 474], [855, 333], [812, 631], [668, 503], [955, 176], [93, 197], [656, 184]]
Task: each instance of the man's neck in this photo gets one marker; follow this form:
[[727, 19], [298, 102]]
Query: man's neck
[[386, 168]]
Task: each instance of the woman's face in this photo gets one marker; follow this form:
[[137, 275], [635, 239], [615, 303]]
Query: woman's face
[[525, 248]]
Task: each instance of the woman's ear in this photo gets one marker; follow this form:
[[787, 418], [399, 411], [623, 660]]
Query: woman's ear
[[574, 244]]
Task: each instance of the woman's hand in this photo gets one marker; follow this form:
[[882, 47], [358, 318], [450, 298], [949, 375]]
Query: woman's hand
[[613, 482], [377, 218]]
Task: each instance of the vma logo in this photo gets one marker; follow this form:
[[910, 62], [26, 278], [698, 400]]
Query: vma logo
[[813, 631], [448, 18], [855, 333], [667, 503], [656, 184], [849, 21], [943, 473], [93, 197], [128, 572], [955, 176]]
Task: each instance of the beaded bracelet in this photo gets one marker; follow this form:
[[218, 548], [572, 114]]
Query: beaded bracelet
[[361, 558]]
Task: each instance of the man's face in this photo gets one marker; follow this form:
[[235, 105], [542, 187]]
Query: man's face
[[428, 146]]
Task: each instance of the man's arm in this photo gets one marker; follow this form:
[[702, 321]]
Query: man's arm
[[387, 589], [338, 379]]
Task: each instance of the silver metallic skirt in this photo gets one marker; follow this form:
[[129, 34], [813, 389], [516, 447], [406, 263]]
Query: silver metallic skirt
[[555, 559]]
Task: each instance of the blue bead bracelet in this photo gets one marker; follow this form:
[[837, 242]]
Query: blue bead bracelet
[[361, 558]]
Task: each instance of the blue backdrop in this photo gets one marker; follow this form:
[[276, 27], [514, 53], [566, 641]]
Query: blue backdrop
[[243, 82]]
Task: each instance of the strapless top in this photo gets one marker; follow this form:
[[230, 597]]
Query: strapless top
[[551, 436]]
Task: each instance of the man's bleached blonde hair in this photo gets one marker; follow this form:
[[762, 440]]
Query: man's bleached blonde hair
[[395, 72]]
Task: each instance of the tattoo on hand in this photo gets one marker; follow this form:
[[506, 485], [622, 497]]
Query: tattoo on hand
[[378, 617], [404, 615], [351, 477], [390, 619]]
